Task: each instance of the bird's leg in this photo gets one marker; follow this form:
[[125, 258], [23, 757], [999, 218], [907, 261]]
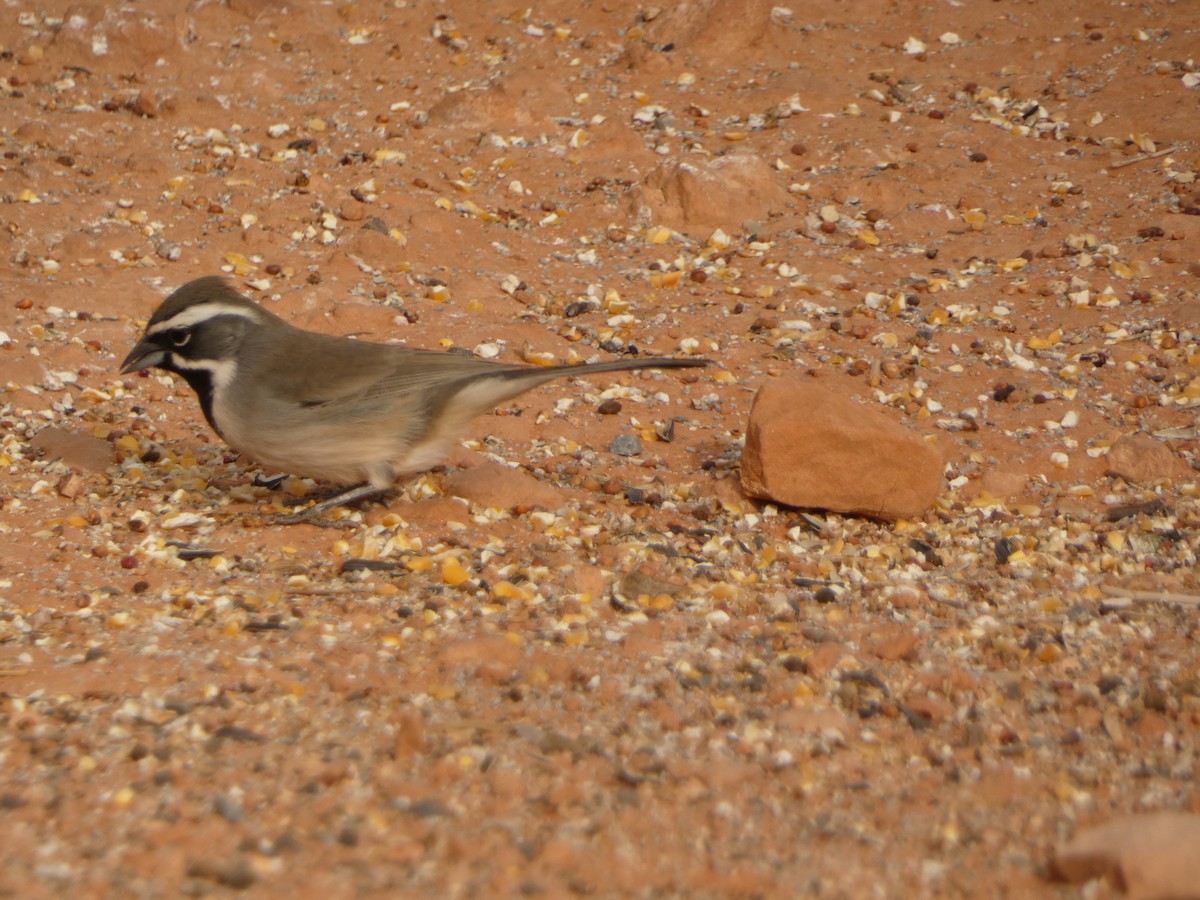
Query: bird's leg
[[311, 514], [319, 495]]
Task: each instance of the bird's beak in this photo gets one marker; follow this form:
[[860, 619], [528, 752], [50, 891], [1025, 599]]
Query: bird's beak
[[145, 355]]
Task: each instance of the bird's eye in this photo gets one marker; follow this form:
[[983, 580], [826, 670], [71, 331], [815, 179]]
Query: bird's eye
[[179, 336]]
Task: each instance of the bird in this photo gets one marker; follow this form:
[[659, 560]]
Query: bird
[[352, 412]]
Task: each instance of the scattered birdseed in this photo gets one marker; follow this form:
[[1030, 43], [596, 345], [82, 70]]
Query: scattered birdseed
[[205, 698]]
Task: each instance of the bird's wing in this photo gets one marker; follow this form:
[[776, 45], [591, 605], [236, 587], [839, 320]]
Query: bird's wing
[[341, 377], [336, 372], [419, 371]]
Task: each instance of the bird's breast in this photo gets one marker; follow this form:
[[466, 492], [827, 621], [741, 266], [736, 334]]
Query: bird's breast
[[303, 441]]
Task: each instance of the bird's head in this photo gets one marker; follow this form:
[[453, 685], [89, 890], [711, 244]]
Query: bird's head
[[197, 332]]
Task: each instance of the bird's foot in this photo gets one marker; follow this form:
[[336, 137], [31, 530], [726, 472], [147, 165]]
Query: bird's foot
[[311, 515]]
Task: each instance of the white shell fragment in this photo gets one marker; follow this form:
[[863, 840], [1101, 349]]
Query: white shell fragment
[[487, 350], [185, 520]]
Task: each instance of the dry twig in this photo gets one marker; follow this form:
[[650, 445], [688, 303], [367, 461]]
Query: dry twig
[[1137, 159]]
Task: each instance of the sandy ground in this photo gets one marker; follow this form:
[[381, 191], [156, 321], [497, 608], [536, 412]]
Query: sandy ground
[[600, 674]]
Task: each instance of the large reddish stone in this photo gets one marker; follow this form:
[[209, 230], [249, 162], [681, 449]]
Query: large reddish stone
[[807, 446], [1151, 855], [696, 196], [137, 37], [712, 29], [490, 484], [75, 448], [1140, 459]]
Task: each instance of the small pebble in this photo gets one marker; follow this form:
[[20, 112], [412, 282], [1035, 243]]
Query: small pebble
[[228, 809], [235, 873], [626, 444]]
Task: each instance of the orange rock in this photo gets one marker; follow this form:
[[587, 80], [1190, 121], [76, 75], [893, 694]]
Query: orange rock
[[374, 248], [1141, 459], [900, 644], [74, 448], [586, 579], [827, 657], [493, 485], [714, 29], [1150, 725], [137, 37], [500, 104], [809, 447], [1003, 484], [697, 197], [1150, 855]]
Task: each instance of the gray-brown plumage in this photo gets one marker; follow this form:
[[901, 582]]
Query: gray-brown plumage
[[343, 410]]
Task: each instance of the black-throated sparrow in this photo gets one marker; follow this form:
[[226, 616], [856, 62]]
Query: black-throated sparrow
[[347, 411]]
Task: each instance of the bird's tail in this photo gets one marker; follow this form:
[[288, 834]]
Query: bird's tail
[[479, 394]]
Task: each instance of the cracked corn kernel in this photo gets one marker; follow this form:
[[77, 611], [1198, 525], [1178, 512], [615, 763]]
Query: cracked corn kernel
[[723, 591], [506, 590], [1044, 343], [975, 218], [453, 572], [539, 358], [295, 487], [1049, 653], [123, 797]]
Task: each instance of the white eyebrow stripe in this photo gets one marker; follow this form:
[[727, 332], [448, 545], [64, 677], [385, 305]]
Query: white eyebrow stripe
[[202, 312]]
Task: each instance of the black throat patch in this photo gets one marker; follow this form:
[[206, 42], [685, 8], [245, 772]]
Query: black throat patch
[[201, 382]]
